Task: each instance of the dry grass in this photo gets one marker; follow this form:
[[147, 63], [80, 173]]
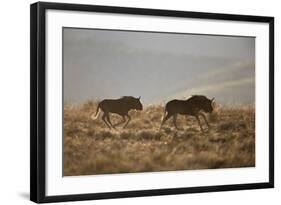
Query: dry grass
[[91, 148]]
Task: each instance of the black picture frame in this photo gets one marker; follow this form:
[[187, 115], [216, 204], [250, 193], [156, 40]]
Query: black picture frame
[[38, 103]]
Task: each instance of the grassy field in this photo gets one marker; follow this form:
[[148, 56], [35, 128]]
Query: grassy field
[[91, 148]]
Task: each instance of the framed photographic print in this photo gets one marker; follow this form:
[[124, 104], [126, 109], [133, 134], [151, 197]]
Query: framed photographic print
[[129, 102]]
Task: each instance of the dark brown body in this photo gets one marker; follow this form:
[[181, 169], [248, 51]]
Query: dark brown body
[[194, 106], [120, 106]]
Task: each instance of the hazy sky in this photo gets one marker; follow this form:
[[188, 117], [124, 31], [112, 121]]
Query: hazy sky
[[157, 66]]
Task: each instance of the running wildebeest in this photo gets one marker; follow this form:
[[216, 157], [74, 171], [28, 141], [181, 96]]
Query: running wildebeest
[[192, 106], [120, 106]]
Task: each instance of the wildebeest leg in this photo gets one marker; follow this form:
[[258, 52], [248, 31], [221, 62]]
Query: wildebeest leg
[[197, 117], [205, 119], [103, 118], [121, 122], [109, 121], [175, 121], [165, 119], [129, 119]]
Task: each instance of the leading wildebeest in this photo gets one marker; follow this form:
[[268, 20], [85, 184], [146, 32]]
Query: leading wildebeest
[[120, 106], [192, 106]]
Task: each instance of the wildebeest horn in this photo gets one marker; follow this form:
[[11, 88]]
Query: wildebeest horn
[[213, 99], [139, 97]]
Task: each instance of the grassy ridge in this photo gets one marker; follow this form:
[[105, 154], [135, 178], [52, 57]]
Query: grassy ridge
[[91, 148]]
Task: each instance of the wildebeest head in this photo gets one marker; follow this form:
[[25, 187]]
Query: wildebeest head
[[134, 103], [137, 104], [208, 105]]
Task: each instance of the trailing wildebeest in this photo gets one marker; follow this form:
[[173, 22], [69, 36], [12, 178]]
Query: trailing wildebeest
[[120, 106], [192, 106]]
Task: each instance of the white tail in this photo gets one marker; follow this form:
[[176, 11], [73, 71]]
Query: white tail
[[163, 117], [94, 117], [164, 113]]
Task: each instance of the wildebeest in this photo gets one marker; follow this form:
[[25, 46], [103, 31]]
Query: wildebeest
[[120, 106], [192, 106]]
